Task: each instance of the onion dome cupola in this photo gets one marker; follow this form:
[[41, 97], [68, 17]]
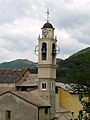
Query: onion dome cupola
[[47, 30], [48, 25]]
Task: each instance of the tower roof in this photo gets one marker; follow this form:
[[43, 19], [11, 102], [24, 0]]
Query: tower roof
[[47, 25]]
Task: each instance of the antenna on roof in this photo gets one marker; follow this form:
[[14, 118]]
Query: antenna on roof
[[48, 15]]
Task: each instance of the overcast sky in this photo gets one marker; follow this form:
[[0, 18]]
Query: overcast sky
[[21, 22]]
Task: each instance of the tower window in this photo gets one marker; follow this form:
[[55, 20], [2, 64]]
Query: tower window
[[43, 85], [8, 115], [52, 86], [44, 51]]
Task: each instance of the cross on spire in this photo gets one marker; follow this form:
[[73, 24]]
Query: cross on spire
[[48, 16]]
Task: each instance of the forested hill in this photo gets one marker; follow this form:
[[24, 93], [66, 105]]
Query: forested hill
[[76, 68], [19, 63]]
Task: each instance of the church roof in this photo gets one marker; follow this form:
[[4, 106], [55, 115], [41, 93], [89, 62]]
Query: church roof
[[30, 98], [61, 109], [64, 117], [47, 25], [30, 80], [10, 75]]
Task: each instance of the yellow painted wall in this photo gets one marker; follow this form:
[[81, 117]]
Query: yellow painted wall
[[70, 101]]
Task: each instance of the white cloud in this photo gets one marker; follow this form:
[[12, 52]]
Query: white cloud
[[67, 44], [21, 22], [20, 38]]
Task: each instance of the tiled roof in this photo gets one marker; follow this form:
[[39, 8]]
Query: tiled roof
[[30, 98], [30, 80], [61, 109], [64, 117], [11, 75]]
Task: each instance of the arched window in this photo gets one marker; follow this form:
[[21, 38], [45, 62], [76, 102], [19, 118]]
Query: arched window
[[44, 51], [53, 49]]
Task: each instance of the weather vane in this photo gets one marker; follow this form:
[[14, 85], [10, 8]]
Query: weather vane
[[48, 16]]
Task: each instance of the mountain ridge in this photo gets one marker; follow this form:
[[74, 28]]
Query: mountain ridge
[[18, 63], [74, 68]]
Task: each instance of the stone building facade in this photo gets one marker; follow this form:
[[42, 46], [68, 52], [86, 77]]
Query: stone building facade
[[16, 106]]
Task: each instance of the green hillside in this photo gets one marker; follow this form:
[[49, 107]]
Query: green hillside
[[19, 63], [76, 68]]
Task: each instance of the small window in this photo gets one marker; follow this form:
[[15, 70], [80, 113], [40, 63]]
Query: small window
[[46, 111], [52, 86], [8, 115], [43, 85], [56, 90]]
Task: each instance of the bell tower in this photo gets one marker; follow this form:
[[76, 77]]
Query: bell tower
[[47, 50]]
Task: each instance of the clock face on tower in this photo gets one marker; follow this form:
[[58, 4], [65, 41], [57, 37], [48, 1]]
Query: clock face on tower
[[45, 32]]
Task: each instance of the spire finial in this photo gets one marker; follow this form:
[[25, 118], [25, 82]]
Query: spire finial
[[48, 15]]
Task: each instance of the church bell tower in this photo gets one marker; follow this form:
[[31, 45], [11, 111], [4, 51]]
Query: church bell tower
[[47, 50]]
